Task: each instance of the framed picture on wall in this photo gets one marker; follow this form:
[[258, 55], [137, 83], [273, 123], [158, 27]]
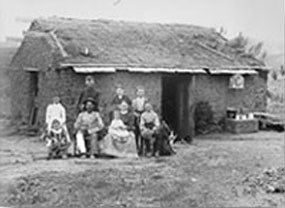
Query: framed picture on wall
[[237, 81]]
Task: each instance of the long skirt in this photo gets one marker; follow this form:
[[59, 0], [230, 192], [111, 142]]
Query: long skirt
[[119, 146]]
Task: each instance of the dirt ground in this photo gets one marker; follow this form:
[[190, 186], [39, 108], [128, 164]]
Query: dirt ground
[[213, 172]]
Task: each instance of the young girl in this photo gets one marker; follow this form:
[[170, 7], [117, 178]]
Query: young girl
[[57, 141]]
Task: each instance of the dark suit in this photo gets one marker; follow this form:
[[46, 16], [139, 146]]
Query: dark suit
[[117, 101], [89, 92]]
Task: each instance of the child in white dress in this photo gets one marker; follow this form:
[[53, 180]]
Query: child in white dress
[[117, 127]]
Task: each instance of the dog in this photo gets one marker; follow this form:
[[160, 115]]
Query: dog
[[164, 139]]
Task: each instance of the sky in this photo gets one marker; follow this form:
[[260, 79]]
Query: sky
[[261, 20]]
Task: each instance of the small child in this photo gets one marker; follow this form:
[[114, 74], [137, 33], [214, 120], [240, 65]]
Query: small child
[[57, 141], [149, 124], [117, 127]]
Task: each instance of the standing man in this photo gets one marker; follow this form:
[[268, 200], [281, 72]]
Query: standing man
[[138, 106], [88, 92]]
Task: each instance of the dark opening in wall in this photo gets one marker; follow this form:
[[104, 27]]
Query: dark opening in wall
[[33, 93]]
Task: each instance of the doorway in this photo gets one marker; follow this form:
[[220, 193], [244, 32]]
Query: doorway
[[169, 101], [33, 93], [175, 103]]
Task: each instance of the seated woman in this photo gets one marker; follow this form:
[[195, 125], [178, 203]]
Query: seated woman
[[87, 126], [57, 141], [120, 140]]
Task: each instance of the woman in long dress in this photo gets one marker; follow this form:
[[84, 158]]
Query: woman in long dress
[[120, 140]]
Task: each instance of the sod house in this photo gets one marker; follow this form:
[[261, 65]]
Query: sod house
[[179, 66]]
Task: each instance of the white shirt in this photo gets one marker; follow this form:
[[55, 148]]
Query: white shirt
[[138, 103], [55, 111], [91, 120], [149, 117], [118, 128]]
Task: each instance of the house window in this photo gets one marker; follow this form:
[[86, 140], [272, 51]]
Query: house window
[[237, 81]]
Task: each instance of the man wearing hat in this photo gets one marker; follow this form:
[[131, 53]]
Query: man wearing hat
[[88, 92], [87, 126]]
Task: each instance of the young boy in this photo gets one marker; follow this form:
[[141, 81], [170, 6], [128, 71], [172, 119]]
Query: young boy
[[139, 102], [149, 124], [138, 106], [57, 141]]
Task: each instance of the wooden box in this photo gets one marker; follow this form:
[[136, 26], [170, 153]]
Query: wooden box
[[241, 126]]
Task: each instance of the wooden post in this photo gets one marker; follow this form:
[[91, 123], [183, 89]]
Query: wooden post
[[191, 105], [183, 109]]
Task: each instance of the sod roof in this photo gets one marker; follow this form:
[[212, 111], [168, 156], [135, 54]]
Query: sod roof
[[109, 42]]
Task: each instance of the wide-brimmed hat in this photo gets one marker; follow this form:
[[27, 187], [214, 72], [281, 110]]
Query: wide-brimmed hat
[[89, 99]]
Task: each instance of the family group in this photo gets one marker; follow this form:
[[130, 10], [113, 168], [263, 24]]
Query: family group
[[131, 129]]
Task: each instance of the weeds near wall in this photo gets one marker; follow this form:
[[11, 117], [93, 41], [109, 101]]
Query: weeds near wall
[[203, 117]]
